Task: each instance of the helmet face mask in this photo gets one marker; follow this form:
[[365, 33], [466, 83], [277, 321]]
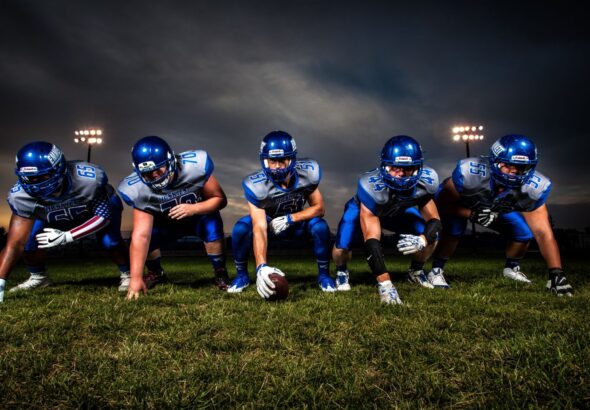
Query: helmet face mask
[[401, 163], [40, 168], [513, 159], [154, 162], [278, 156]]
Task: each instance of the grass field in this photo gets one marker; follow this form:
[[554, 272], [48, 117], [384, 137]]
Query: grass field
[[487, 342]]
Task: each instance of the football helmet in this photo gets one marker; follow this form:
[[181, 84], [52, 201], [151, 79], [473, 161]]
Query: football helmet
[[150, 154], [278, 145], [40, 168], [404, 152], [516, 150]]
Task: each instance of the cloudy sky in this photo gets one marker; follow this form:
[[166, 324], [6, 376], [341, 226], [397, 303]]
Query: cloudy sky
[[341, 77]]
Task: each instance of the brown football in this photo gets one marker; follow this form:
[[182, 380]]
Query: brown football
[[281, 287]]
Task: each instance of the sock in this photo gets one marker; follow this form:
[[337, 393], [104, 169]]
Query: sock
[[124, 269], [241, 267], [512, 263], [218, 262], [341, 268], [417, 265], [37, 270], [154, 265], [439, 263], [323, 267]]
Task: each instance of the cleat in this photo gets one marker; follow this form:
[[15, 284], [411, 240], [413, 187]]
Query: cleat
[[124, 283], [151, 279], [388, 293], [516, 274], [34, 282], [239, 283], [222, 280], [342, 283], [437, 279], [419, 277], [559, 286], [326, 283]]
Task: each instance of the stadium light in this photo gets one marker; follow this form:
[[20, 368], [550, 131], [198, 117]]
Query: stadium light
[[80, 138], [467, 134]]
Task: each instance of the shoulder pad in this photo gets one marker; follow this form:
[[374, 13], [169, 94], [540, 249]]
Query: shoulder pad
[[310, 169], [429, 179], [538, 187], [196, 164]]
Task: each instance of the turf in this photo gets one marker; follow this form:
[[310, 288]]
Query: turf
[[485, 343]]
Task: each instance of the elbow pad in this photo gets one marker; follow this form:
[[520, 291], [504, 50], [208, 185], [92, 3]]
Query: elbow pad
[[432, 230], [375, 256]]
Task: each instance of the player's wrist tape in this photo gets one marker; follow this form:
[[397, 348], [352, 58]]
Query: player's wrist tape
[[262, 265], [432, 230], [375, 256]]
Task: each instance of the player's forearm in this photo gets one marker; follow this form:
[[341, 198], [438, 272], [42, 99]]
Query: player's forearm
[[8, 257], [308, 213], [549, 249], [260, 243], [209, 205], [93, 225], [138, 251]]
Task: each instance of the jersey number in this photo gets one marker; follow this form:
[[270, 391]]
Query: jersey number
[[66, 214], [86, 171], [476, 168], [378, 185], [185, 199]]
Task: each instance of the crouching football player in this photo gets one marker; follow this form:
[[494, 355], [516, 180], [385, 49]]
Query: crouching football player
[[504, 193], [56, 202], [397, 196], [276, 196], [172, 196]]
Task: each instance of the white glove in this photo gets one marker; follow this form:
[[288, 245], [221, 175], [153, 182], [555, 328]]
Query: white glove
[[484, 217], [264, 285], [408, 244], [2, 284], [279, 224], [53, 237]]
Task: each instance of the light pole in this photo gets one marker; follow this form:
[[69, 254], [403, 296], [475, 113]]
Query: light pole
[[467, 134], [89, 137]]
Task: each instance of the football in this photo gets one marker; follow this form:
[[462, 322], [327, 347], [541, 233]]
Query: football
[[281, 287]]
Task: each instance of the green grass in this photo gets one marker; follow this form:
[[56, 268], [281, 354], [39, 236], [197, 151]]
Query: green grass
[[486, 343]]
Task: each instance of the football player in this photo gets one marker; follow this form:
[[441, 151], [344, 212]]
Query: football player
[[276, 196], [56, 202], [397, 196], [172, 196], [505, 193]]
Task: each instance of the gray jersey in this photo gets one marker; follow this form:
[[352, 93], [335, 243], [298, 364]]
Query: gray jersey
[[193, 170], [472, 179], [85, 194], [384, 201], [262, 192]]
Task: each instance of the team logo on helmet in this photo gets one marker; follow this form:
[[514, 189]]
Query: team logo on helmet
[[54, 155], [497, 148]]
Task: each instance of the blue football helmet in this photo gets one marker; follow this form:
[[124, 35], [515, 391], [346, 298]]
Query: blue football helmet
[[278, 145], [516, 150], [404, 152], [150, 154], [40, 168]]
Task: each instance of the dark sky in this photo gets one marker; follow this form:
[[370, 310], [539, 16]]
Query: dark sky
[[340, 77]]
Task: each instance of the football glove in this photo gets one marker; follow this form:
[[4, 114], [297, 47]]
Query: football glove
[[2, 284], [484, 217], [558, 284], [264, 285], [281, 223], [408, 244], [53, 237]]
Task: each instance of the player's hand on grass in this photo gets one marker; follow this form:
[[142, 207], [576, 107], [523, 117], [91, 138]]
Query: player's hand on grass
[[53, 237], [182, 211], [136, 287], [409, 244]]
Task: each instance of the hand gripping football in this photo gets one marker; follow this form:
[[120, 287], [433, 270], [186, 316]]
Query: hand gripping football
[[281, 287]]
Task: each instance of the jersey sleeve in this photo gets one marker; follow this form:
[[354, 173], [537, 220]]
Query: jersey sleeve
[[365, 196], [457, 176], [128, 190], [538, 188], [429, 180], [252, 192], [20, 202], [311, 169]]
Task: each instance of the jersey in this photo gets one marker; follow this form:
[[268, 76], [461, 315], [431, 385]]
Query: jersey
[[86, 193], [383, 201], [472, 179], [264, 193], [193, 172]]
